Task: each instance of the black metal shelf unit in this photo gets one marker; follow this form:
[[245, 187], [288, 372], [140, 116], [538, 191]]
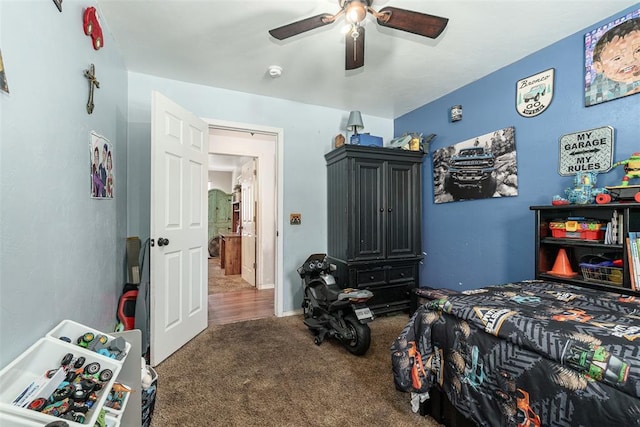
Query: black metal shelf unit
[[548, 247]]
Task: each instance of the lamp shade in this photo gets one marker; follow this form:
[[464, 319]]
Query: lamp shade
[[355, 122]]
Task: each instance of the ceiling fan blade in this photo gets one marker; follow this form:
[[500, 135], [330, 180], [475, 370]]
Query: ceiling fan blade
[[354, 48], [413, 22], [301, 26]]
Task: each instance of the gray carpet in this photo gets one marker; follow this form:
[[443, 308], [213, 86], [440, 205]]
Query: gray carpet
[[268, 372]]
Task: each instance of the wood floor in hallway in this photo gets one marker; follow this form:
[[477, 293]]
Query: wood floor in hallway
[[237, 305]]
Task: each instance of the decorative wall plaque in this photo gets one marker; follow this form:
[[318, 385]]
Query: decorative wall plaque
[[534, 93], [586, 151]]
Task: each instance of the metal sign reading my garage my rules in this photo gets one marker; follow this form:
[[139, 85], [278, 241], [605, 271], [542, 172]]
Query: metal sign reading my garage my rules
[[586, 151]]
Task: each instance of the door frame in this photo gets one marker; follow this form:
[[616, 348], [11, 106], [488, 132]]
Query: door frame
[[278, 134]]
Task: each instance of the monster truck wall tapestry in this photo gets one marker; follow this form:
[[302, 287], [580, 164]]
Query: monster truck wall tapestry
[[479, 168]]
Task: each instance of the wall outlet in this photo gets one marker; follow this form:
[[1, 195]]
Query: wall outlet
[[295, 219]]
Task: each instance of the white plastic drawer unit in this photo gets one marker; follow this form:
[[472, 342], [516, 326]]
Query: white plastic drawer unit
[[24, 379]]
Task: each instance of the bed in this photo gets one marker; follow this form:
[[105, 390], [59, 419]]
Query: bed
[[531, 353]]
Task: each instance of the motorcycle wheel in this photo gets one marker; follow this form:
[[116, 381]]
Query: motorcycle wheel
[[360, 344]]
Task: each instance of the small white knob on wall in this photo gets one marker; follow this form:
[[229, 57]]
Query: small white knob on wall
[[275, 71]]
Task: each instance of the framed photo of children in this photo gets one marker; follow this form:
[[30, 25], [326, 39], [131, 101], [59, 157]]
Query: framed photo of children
[[101, 171], [612, 60]]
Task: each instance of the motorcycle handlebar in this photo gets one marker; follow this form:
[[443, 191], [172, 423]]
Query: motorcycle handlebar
[[313, 265]]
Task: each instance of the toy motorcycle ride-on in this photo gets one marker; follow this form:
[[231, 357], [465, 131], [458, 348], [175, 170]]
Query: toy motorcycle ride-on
[[332, 311]]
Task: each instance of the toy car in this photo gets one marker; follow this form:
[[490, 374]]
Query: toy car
[[619, 192], [624, 191], [92, 27]]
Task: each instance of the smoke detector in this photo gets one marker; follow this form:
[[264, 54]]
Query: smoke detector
[[275, 71]]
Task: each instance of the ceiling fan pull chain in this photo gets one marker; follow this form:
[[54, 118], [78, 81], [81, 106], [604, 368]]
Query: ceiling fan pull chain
[[355, 33]]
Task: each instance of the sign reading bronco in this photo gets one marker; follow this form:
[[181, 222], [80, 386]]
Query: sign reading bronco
[[534, 93]]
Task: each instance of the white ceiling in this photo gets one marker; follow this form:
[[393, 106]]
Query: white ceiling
[[226, 163], [226, 44]]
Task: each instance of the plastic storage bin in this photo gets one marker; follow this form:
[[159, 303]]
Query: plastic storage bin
[[13, 421], [73, 330], [577, 229], [366, 139], [149, 398], [44, 355], [599, 273]]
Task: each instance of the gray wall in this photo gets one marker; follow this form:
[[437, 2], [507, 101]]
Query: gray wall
[[308, 135], [61, 252]]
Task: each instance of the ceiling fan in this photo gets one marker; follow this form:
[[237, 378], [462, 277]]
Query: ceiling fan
[[355, 11]]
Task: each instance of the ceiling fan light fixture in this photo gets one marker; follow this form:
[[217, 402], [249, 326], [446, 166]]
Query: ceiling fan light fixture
[[355, 12]]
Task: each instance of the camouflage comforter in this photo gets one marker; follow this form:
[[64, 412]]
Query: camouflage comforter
[[526, 354]]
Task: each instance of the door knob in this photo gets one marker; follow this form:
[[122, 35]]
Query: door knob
[[163, 242]]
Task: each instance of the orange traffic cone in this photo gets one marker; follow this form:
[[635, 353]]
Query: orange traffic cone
[[562, 267]]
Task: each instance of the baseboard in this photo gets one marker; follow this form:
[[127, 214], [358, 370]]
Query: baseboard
[[292, 313]]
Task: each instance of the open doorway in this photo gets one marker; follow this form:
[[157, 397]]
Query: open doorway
[[243, 176]]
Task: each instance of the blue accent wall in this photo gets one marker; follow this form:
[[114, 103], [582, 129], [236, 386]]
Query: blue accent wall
[[474, 243]]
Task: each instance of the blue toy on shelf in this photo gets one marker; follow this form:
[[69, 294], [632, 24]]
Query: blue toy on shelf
[[584, 190]]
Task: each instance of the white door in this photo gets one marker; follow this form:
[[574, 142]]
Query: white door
[[248, 221], [178, 261]]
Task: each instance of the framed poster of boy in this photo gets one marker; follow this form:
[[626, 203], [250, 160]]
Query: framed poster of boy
[[612, 60]]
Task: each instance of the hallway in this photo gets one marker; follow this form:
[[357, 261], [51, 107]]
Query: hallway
[[231, 299]]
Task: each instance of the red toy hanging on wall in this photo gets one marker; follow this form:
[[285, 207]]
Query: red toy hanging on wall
[[92, 27]]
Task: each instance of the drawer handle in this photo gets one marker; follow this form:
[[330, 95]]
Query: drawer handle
[[401, 274], [371, 278]]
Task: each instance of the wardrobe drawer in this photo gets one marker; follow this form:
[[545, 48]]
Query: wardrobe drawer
[[391, 298], [371, 277], [401, 273]]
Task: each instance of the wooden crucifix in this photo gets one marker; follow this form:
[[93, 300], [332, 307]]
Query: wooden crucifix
[[90, 74]]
